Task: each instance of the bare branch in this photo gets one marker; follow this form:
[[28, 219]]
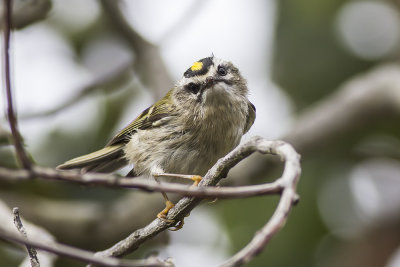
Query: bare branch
[[289, 197], [31, 251], [17, 140], [214, 175], [79, 254], [110, 180]]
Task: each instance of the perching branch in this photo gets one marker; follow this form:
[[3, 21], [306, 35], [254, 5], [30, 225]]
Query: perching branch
[[16, 136], [111, 180], [288, 181], [31, 250]]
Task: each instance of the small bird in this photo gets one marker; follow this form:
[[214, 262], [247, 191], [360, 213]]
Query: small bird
[[201, 119]]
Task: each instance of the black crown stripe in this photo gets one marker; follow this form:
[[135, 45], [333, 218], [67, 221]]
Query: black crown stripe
[[207, 62]]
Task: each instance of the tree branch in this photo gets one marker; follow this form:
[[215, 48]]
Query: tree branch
[[16, 137], [214, 175], [289, 197], [111, 180], [31, 250]]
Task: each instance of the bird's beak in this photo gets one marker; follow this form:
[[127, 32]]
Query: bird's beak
[[210, 81]]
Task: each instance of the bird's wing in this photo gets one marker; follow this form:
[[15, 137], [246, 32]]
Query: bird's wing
[[251, 116], [147, 119], [111, 157], [99, 157]]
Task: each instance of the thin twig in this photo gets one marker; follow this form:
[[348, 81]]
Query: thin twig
[[16, 136], [80, 254], [31, 250], [290, 177], [35, 233], [111, 180]]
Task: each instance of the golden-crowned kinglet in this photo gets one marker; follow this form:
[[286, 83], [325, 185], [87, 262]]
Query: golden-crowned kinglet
[[199, 120]]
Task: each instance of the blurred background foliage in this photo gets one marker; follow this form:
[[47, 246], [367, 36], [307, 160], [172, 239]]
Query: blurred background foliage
[[84, 69]]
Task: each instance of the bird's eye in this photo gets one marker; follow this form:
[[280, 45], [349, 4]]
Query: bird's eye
[[193, 87], [221, 71]]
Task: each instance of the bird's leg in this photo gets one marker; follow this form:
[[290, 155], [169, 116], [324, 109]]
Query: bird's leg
[[195, 178], [162, 215], [168, 204]]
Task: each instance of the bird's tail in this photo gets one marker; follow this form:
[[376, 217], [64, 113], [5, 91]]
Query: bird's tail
[[107, 159]]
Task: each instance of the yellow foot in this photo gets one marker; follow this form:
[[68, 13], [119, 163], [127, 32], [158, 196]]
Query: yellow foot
[[162, 215], [196, 179]]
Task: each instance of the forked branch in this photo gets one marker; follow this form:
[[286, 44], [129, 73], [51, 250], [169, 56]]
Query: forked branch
[[285, 185]]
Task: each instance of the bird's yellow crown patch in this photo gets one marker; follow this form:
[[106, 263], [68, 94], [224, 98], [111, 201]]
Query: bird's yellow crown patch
[[200, 67], [197, 66]]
